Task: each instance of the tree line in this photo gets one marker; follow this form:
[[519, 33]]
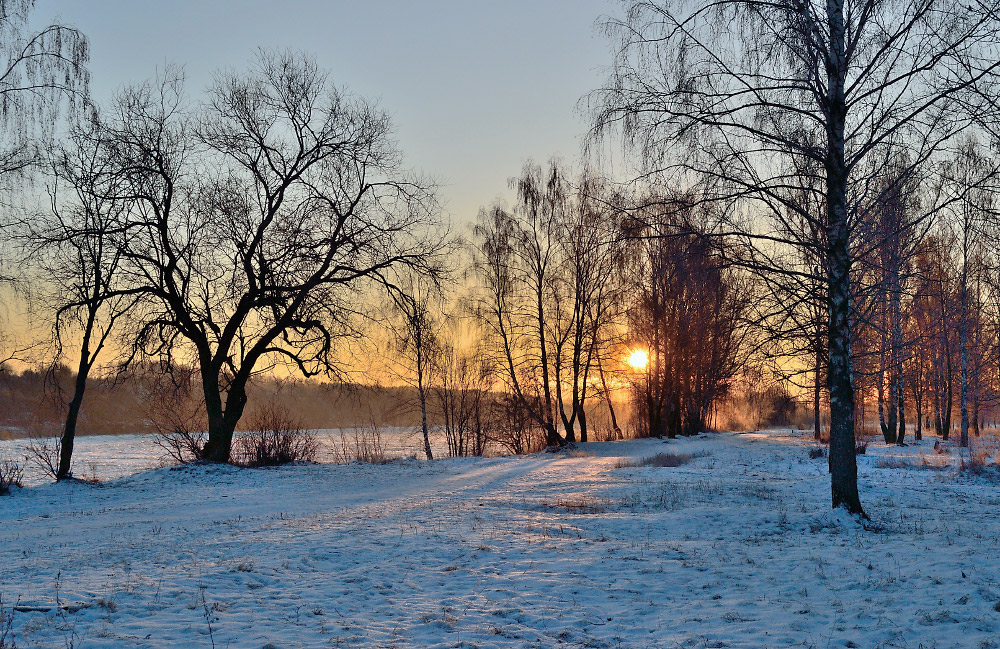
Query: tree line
[[810, 194]]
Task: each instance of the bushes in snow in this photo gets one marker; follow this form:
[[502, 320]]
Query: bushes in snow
[[363, 446], [11, 472], [181, 444], [273, 438]]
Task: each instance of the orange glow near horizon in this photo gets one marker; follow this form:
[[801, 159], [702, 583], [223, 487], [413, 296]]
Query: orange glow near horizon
[[638, 359]]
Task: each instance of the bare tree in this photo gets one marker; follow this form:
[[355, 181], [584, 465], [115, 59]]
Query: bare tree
[[256, 223], [936, 309], [733, 94], [971, 182], [417, 341], [891, 229], [78, 263], [517, 251], [38, 71], [464, 392], [689, 309], [552, 269], [587, 292]]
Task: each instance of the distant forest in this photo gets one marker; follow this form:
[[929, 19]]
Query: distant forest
[[32, 403]]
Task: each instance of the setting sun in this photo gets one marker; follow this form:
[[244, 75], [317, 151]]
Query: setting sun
[[638, 359]]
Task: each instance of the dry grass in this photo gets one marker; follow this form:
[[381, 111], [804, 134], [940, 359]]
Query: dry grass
[[664, 460], [983, 453], [362, 446], [923, 462], [583, 505], [6, 627]]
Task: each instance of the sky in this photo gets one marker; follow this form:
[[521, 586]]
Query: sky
[[474, 88]]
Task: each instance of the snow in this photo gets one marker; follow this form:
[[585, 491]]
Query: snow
[[108, 457], [737, 548]]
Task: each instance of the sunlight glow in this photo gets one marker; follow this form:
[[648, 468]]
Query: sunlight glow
[[638, 359]]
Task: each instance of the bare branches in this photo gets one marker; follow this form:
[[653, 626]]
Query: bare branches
[[254, 223]]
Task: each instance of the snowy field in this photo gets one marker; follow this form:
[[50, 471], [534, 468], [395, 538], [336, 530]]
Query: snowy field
[[734, 549], [108, 457]]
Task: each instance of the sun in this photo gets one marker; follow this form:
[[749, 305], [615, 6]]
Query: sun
[[638, 359]]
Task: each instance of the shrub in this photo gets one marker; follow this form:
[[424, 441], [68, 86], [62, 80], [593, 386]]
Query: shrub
[[11, 472], [175, 413], [44, 453], [759, 405], [181, 443], [976, 461], [608, 433], [513, 429], [273, 438], [363, 446], [984, 451]]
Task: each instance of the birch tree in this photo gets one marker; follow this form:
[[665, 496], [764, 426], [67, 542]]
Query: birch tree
[[733, 95], [417, 341], [971, 181]]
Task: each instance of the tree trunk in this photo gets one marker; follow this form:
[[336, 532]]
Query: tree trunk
[[607, 397], [897, 395], [963, 403], [902, 410], [422, 393], [423, 425], [888, 428], [949, 393], [220, 439], [72, 414], [552, 436], [816, 396], [222, 420], [843, 463]]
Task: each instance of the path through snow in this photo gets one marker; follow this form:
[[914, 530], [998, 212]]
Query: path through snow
[[736, 549]]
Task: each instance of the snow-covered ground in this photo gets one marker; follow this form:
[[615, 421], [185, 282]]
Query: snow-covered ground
[[108, 457], [735, 549]]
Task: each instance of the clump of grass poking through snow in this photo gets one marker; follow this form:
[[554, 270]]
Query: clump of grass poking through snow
[[10, 476], [6, 627], [658, 460], [906, 463]]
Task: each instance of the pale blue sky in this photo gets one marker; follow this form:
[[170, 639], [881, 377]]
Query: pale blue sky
[[474, 87]]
